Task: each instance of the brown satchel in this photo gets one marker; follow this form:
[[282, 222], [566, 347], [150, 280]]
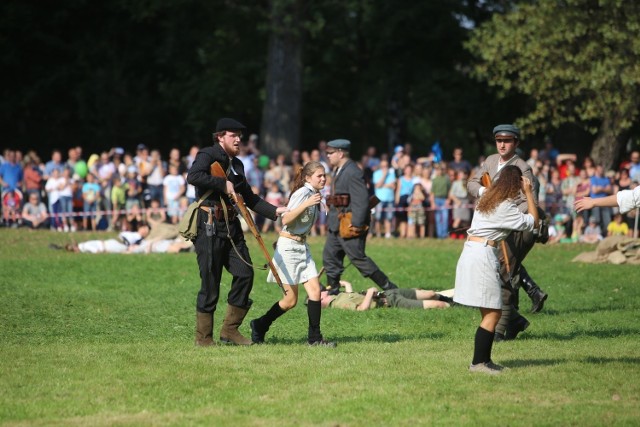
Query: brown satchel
[[348, 232]]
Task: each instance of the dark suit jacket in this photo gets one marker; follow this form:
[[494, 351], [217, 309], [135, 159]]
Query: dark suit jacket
[[350, 180], [200, 176]]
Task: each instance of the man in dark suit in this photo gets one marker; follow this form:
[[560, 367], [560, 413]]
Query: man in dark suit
[[220, 242], [349, 194], [507, 138]]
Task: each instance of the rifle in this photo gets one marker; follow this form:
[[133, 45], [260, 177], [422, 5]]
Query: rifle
[[486, 182], [218, 171]]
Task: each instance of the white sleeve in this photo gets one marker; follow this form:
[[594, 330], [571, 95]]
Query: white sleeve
[[298, 197], [628, 199], [513, 219]]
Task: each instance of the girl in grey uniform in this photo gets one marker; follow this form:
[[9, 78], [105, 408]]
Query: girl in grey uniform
[[478, 270], [292, 256]]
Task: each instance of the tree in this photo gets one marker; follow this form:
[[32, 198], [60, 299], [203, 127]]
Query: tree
[[281, 114], [577, 60]]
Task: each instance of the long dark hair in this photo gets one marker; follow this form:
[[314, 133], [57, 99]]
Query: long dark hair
[[303, 172], [507, 186]]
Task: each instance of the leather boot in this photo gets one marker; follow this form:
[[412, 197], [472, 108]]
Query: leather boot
[[517, 325], [204, 329], [333, 285], [258, 331], [233, 318], [382, 281], [537, 295]]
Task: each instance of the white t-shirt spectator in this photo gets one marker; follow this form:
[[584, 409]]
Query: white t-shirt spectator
[[174, 187]]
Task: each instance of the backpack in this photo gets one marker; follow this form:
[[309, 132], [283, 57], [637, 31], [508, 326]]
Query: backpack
[[188, 226]]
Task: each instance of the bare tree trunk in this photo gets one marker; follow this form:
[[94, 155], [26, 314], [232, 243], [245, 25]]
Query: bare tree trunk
[[606, 147], [281, 114]]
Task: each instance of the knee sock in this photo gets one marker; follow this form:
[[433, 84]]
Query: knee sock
[[314, 312], [483, 344], [270, 316]]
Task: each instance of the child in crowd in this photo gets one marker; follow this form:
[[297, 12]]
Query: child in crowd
[[618, 227], [592, 233], [276, 198], [417, 217]]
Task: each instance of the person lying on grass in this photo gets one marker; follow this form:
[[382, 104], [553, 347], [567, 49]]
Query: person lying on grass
[[401, 298]]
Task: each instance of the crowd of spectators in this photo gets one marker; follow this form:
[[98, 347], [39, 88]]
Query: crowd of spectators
[[419, 196]]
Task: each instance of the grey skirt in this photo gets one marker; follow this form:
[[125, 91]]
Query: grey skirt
[[293, 262], [477, 277]]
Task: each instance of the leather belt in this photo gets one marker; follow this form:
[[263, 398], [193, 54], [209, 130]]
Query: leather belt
[[339, 200], [218, 212], [295, 237], [491, 243]]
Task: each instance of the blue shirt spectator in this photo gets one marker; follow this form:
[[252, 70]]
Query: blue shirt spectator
[[600, 184], [54, 163], [11, 173], [383, 189]]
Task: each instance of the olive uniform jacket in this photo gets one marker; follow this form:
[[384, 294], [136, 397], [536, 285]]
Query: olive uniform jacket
[[200, 176], [490, 165], [350, 180]]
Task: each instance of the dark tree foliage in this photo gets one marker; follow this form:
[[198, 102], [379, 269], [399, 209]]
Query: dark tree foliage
[[119, 73], [123, 72]]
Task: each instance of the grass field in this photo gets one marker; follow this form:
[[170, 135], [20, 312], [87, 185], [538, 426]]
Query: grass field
[[102, 340]]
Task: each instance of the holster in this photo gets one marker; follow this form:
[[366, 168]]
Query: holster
[[339, 200], [217, 212]]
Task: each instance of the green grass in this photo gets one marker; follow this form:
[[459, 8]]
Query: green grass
[[108, 340]]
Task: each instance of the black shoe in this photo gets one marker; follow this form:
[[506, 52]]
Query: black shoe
[[498, 337], [333, 290], [257, 334], [446, 299], [537, 301], [322, 343], [519, 324]]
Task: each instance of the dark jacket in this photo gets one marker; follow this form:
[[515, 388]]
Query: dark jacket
[[200, 177], [350, 181]]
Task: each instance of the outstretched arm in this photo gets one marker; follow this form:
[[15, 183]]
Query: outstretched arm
[[587, 203]]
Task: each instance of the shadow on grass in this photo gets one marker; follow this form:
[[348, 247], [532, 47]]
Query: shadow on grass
[[520, 363], [593, 309], [548, 362], [385, 338], [606, 333]]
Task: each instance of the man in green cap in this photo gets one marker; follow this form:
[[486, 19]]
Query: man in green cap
[[518, 244]]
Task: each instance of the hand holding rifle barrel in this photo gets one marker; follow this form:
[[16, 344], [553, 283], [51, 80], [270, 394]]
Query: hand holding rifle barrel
[[218, 171]]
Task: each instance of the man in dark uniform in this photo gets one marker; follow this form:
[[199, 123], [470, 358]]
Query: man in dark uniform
[[220, 241], [518, 244], [348, 194]]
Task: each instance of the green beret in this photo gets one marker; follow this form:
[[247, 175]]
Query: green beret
[[340, 144], [507, 130]]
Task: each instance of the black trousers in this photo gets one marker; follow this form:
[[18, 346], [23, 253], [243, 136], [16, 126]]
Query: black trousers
[[215, 253], [335, 250]]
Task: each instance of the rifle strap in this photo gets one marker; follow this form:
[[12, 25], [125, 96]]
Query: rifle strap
[[226, 220]]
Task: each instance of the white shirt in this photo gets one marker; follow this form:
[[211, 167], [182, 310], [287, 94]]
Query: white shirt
[[52, 188], [302, 224], [499, 224], [173, 186], [628, 199]]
